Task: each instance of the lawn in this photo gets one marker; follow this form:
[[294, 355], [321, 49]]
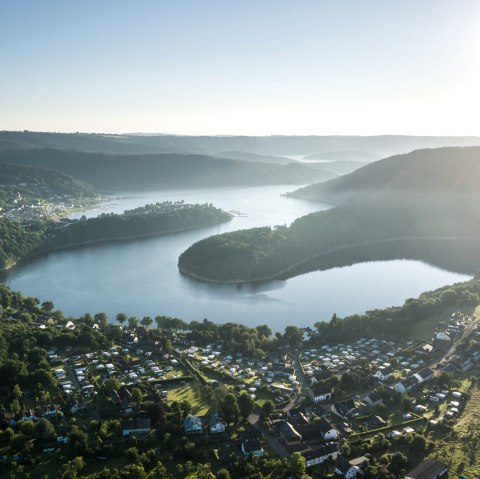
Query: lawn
[[460, 449], [186, 392]]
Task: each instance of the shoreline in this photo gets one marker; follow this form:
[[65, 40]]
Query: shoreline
[[282, 275], [38, 254]]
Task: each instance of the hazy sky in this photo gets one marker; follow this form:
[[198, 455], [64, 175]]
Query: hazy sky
[[241, 67]]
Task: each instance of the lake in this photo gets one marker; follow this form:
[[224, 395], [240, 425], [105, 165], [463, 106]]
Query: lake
[[141, 278]]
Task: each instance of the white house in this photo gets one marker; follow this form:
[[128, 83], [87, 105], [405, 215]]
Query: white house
[[327, 430], [384, 373], [344, 469], [216, 424], [443, 336], [321, 393]]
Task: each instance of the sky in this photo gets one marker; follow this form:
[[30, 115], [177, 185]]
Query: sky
[[250, 67]]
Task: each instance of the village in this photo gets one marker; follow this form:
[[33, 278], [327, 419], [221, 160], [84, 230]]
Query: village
[[338, 406]]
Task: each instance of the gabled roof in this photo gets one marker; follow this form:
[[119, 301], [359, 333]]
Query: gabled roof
[[192, 422], [342, 465], [427, 470], [425, 373], [289, 432], [321, 389]]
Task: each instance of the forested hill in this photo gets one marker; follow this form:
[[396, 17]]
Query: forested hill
[[34, 179], [438, 171], [19, 241], [163, 170], [419, 206], [384, 145]]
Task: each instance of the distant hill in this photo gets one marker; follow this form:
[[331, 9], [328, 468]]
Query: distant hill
[[419, 206], [244, 156], [33, 179], [364, 156], [441, 170], [382, 146], [114, 172], [337, 167]]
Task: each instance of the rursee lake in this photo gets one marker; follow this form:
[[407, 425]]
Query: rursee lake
[[140, 277]]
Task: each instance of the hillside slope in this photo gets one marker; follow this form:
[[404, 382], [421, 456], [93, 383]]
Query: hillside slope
[[163, 170], [277, 145], [441, 170], [421, 206]]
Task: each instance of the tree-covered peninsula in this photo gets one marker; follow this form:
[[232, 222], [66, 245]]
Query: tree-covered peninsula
[[20, 241], [417, 206]]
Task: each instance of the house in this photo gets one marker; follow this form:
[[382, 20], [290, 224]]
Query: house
[[215, 424], [431, 469], [344, 469], [327, 430], [139, 425], [321, 393], [406, 385], [442, 336], [373, 398], [345, 409], [384, 373], [251, 443], [289, 435], [192, 425], [424, 375], [324, 452]]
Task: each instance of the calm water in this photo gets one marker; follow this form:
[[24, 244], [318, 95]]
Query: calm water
[[141, 277]]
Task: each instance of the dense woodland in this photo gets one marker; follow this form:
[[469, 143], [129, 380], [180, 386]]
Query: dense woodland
[[17, 241], [148, 220], [419, 206]]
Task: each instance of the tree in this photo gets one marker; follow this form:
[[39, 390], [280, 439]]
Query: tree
[[132, 322], [15, 407], [44, 430], [47, 306], [121, 318], [146, 321], [137, 397], [230, 407], [245, 404], [268, 407], [398, 462], [101, 319], [112, 384], [17, 392], [223, 474], [297, 464], [293, 336], [78, 440]]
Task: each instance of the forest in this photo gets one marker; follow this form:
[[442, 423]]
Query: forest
[[20, 241], [419, 206]]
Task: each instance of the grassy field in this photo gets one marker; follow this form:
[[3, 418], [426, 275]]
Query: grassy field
[[186, 392], [460, 449]]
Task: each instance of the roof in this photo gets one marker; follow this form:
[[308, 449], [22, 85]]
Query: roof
[[425, 373], [427, 470], [324, 426], [192, 422], [358, 461], [138, 423], [252, 445], [321, 389], [410, 381], [289, 432], [342, 465]]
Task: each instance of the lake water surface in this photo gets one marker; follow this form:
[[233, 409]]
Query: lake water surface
[[141, 278]]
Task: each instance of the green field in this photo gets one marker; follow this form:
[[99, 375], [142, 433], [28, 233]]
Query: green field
[[460, 449]]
